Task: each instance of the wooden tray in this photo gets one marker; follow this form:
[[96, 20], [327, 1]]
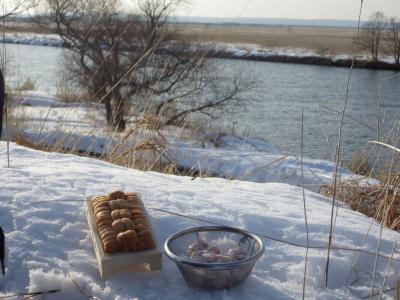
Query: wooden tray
[[138, 261]]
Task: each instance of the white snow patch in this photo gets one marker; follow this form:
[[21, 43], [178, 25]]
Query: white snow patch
[[32, 39], [82, 127], [49, 246]]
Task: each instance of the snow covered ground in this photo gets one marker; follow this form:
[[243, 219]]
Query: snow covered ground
[[42, 212], [238, 158], [49, 246], [82, 127]]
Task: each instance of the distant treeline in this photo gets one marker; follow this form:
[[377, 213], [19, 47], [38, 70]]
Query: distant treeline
[[381, 35]]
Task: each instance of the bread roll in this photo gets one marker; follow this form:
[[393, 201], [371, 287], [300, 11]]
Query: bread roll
[[127, 240], [132, 195], [102, 209], [107, 233], [119, 204], [125, 213], [140, 221], [98, 215], [103, 226], [116, 195], [111, 246], [121, 222], [129, 225], [100, 198], [109, 239], [116, 214], [143, 233], [145, 245], [103, 218], [118, 226], [100, 204], [140, 227]]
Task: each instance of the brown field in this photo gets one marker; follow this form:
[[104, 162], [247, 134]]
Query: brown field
[[327, 40], [324, 40]]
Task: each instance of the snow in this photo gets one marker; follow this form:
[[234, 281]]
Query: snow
[[49, 246], [48, 243], [237, 50], [47, 239], [363, 57], [82, 127], [32, 39], [256, 165], [37, 99]]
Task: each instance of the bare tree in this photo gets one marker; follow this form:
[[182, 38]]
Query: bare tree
[[392, 39], [371, 34], [13, 7], [133, 58]]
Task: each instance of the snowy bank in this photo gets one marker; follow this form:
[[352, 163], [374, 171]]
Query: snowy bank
[[240, 159], [49, 246], [237, 51], [294, 55], [82, 127], [32, 39]]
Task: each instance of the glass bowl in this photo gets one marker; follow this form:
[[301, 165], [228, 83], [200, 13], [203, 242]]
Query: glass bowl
[[195, 251]]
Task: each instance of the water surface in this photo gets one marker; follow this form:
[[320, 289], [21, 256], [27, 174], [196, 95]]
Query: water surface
[[282, 92]]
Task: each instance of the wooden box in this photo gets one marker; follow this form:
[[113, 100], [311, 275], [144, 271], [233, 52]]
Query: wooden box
[[138, 261]]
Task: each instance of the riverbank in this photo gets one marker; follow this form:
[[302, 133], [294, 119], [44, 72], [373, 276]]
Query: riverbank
[[301, 56], [251, 52], [265, 198], [44, 122]]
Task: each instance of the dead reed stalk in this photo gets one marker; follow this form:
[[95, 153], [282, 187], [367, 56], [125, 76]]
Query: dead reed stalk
[[338, 150]]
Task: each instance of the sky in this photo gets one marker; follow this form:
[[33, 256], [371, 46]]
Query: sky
[[293, 9]]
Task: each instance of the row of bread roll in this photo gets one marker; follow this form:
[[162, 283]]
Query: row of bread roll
[[121, 223]]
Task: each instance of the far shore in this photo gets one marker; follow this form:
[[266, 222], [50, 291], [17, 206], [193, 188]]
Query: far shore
[[323, 40], [326, 46], [310, 60], [323, 43]]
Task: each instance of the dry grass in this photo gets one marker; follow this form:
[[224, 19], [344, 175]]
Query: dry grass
[[142, 146], [380, 201], [27, 85], [377, 194], [360, 164], [18, 27], [71, 96], [326, 40], [23, 140]]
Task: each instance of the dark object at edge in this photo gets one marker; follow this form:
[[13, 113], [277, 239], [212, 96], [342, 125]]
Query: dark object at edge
[[2, 248], [1, 101]]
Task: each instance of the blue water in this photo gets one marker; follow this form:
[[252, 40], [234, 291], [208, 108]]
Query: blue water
[[273, 108], [284, 90]]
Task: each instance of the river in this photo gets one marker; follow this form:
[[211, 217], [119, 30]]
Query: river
[[281, 93]]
